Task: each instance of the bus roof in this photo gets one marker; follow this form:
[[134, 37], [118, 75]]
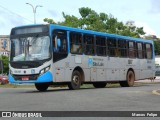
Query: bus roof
[[29, 25], [54, 26]]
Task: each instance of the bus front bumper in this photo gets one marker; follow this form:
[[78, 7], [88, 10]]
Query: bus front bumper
[[46, 77]]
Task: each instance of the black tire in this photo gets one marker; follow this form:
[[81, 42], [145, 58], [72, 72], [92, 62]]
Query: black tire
[[41, 86], [99, 84], [75, 80], [130, 78]]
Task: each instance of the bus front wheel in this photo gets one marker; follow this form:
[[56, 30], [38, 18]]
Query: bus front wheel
[[75, 80], [130, 79], [99, 84], [41, 86]]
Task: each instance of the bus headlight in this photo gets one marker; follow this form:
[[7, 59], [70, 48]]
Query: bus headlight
[[45, 70], [42, 71]]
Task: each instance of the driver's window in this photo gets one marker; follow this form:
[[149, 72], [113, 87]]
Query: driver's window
[[60, 41]]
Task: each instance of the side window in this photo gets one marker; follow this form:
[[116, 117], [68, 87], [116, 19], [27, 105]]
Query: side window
[[101, 46], [88, 44], [140, 50], [122, 46], [131, 49], [148, 51], [144, 51], [76, 43], [61, 37], [112, 46]]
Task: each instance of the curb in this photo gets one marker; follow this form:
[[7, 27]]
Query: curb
[[156, 92], [147, 81]]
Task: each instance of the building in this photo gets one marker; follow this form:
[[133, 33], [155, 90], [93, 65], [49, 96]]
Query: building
[[151, 37], [4, 45]]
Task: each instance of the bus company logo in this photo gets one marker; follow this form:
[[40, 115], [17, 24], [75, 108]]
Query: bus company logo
[[33, 71], [6, 114], [90, 62]]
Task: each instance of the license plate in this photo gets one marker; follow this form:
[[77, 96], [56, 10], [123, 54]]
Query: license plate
[[25, 78]]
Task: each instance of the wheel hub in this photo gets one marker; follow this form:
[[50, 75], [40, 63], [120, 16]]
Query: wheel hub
[[76, 80]]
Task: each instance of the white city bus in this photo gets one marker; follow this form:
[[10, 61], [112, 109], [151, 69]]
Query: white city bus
[[51, 54]]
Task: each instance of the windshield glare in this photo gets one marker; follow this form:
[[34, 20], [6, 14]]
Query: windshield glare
[[30, 48]]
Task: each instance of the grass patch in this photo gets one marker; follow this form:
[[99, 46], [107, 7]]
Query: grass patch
[[87, 86], [109, 85], [113, 85]]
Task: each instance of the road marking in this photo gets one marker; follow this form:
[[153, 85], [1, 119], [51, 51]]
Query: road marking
[[155, 92]]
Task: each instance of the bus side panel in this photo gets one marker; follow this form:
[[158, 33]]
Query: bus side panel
[[101, 75], [122, 68], [147, 68], [93, 74], [82, 62], [150, 68], [112, 69], [143, 68], [62, 71]]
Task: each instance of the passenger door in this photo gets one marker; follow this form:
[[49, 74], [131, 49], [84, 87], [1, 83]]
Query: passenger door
[[59, 53]]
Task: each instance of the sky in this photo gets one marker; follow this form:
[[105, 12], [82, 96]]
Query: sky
[[145, 13]]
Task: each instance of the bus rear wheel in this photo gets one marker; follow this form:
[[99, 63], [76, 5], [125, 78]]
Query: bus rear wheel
[[75, 80], [41, 86], [99, 84], [130, 79]]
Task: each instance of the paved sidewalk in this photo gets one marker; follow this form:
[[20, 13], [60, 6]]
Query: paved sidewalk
[[157, 80]]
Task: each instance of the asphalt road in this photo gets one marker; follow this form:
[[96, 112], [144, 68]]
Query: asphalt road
[[137, 98]]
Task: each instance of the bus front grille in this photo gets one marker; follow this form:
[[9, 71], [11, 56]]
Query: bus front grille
[[30, 77]]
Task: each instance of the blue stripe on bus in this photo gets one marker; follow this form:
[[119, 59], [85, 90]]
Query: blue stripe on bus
[[46, 77], [53, 26]]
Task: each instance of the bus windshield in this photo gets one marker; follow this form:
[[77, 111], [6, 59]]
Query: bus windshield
[[30, 48]]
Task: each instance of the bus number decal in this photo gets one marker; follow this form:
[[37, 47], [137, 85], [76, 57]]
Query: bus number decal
[[130, 61], [98, 64]]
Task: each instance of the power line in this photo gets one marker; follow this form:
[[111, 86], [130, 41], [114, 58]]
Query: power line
[[16, 14]]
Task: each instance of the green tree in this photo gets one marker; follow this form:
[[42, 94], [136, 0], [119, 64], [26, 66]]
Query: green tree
[[91, 20], [157, 47], [102, 22], [71, 21], [50, 21], [5, 61], [131, 30]]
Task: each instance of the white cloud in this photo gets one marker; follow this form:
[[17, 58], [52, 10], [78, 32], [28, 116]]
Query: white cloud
[[9, 19], [155, 6], [146, 28]]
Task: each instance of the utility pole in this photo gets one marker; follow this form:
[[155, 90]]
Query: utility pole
[[34, 10]]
